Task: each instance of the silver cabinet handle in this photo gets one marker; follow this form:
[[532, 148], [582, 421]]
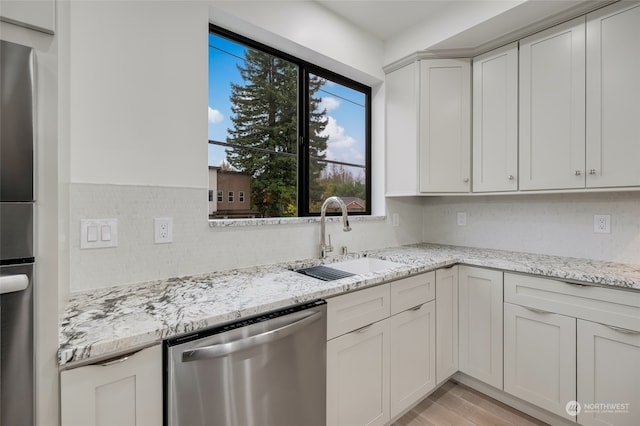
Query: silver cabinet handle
[[363, 329], [537, 311], [466, 180], [510, 177], [222, 349], [592, 171], [118, 360], [577, 172], [417, 308], [621, 330]]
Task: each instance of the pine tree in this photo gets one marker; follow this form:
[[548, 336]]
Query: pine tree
[[265, 117]]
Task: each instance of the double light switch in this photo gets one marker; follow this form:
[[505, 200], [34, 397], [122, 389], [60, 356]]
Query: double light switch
[[98, 233]]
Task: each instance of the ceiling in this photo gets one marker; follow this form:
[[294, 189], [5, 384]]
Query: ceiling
[[386, 18]]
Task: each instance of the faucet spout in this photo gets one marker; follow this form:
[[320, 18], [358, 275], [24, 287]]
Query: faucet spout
[[324, 248]]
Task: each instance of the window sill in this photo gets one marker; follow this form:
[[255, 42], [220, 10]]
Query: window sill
[[233, 223]]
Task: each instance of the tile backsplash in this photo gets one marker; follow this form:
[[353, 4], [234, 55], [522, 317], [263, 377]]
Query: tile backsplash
[[197, 247]]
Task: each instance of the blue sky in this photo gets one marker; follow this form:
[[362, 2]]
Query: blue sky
[[345, 107]]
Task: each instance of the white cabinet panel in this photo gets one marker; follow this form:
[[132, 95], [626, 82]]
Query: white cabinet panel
[[412, 291], [446, 323], [480, 340], [358, 377], [357, 309], [445, 125], [36, 14], [613, 89], [552, 108], [402, 102], [412, 356], [608, 373], [495, 120], [125, 393], [540, 358]]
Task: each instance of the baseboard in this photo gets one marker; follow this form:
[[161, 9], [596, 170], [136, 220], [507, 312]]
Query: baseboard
[[512, 401]]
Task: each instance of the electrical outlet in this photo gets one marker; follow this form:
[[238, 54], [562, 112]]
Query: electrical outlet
[[602, 224], [162, 230], [462, 218], [395, 219]]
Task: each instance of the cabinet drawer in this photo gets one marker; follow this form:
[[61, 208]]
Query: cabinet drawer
[[413, 291], [620, 308], [355, 310]]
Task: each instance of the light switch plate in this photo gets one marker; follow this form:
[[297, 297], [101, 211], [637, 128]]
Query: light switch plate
[[98, 233]]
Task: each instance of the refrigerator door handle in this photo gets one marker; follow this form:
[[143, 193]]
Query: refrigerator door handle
[[223, 349], [11, 283]]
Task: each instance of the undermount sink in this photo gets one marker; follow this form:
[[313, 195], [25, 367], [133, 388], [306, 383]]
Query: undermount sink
[[364, 265], [347, 268]]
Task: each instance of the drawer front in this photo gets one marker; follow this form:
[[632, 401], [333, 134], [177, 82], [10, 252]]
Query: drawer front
[[355, 310], [413, 291], [620, 308]]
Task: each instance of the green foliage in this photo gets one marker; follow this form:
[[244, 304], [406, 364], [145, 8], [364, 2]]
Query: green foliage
[[265, 118]]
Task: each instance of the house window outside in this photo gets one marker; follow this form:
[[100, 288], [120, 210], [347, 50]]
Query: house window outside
[[219, 196], [211, 195], [298, 132], [231, 196]]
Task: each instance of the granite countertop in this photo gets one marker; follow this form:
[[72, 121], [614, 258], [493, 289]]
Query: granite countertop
[[110, 321]]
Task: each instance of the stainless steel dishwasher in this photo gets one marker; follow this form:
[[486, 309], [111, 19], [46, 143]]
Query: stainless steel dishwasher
[[267, 370]]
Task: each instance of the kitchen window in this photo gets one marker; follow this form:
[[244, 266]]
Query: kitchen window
[[290, 132], [231, 196], [219, 196], [241, 196]]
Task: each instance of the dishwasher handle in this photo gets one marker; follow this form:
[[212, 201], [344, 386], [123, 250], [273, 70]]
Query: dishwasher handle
[[223, 349]]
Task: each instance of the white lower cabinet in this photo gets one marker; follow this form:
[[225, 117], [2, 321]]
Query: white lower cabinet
[[540, 357], [412, 356], [608, 375], [446, 323], [125, 392], [358, 377], [480, 324], [383, 359]]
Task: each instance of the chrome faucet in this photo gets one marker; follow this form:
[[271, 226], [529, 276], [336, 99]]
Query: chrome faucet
[[326, 248]]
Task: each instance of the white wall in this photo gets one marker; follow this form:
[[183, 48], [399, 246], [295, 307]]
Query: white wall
[[559, 224], [134, 109]]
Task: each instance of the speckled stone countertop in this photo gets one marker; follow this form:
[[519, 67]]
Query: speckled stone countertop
[[111, 321]]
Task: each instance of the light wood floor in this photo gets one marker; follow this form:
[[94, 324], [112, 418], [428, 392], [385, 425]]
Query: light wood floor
[[454, 404]]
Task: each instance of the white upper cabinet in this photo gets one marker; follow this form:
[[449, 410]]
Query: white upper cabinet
[[35, 14], [495, 120], [552, 108], [613, 93], [402, 110], [428, 127], [445, 125]]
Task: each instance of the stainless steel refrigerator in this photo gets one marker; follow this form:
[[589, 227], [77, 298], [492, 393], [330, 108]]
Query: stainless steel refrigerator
[[17, 259]]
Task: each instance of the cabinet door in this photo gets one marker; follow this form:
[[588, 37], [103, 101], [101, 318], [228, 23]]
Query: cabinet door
[[480, 328], [412, 356], [358, 377], [608, 373], [445, 125], [552, 108], [127, 392], [401, 140], [495, 120], [540, 357], [446, 323], [613, 87], [39, 15]]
